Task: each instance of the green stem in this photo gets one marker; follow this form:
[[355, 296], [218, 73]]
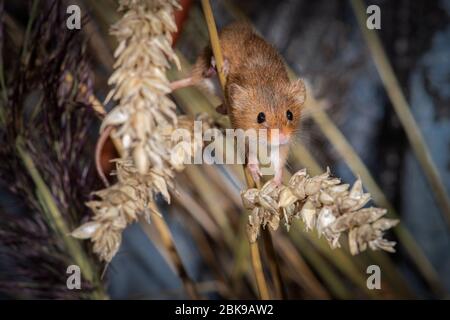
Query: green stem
[[58, 223], [33, 12]]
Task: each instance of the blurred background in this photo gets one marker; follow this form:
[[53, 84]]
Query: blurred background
[[353, 127]]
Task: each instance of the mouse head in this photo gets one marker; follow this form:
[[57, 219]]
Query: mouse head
[[268, 107]]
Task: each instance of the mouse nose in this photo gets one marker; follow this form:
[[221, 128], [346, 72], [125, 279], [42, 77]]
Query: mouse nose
[[281, 137], [284, 137]]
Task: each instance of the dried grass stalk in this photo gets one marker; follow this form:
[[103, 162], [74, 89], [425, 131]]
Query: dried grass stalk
[[254, 248], [403, 111], [324, 204]]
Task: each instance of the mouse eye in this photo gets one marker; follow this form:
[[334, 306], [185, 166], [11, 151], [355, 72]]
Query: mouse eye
[[289, 115], [261, 117]]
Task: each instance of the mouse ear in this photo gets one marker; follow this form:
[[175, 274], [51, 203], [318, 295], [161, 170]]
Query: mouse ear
[[237, 93], [298, 91]]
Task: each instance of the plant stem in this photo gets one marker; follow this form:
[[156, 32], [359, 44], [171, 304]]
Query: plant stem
[[214, 38], [403, 110], [28, 29], [162, 228], [358, 167], [273, 265], [169, 244], [254, 247], [57, 221], [322, 268], [259, 272]]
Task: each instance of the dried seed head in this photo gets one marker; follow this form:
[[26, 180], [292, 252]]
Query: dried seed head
[[145, 119], [323, 204], [140, 84]]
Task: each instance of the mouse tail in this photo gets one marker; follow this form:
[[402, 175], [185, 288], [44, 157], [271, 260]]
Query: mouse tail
[[202, 70], [182, 83]]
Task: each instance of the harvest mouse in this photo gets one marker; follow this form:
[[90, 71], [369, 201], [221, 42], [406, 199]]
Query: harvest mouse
[[258, 93]]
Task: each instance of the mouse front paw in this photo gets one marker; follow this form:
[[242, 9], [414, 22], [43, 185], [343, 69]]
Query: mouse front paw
[[254, 171], [225, 67]]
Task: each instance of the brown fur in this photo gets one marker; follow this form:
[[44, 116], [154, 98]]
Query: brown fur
[[257, 81]]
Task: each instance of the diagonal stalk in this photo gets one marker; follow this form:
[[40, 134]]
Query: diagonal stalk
[[169, 244], [403, 111], [33, 13], [259, 272], [358, 167], [274, 266], [254, 248], [57, 221], [167, 239]]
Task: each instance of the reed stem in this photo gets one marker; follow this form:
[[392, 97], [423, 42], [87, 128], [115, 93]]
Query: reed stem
[[214, 38], [33, 14], [58, 223], [169, 244], [162, 228], [403, 110], [254, 247], [259, 272], [274, 265]]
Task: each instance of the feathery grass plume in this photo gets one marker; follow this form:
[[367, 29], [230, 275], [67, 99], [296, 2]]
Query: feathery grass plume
[[324, 204], [45, 159]]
